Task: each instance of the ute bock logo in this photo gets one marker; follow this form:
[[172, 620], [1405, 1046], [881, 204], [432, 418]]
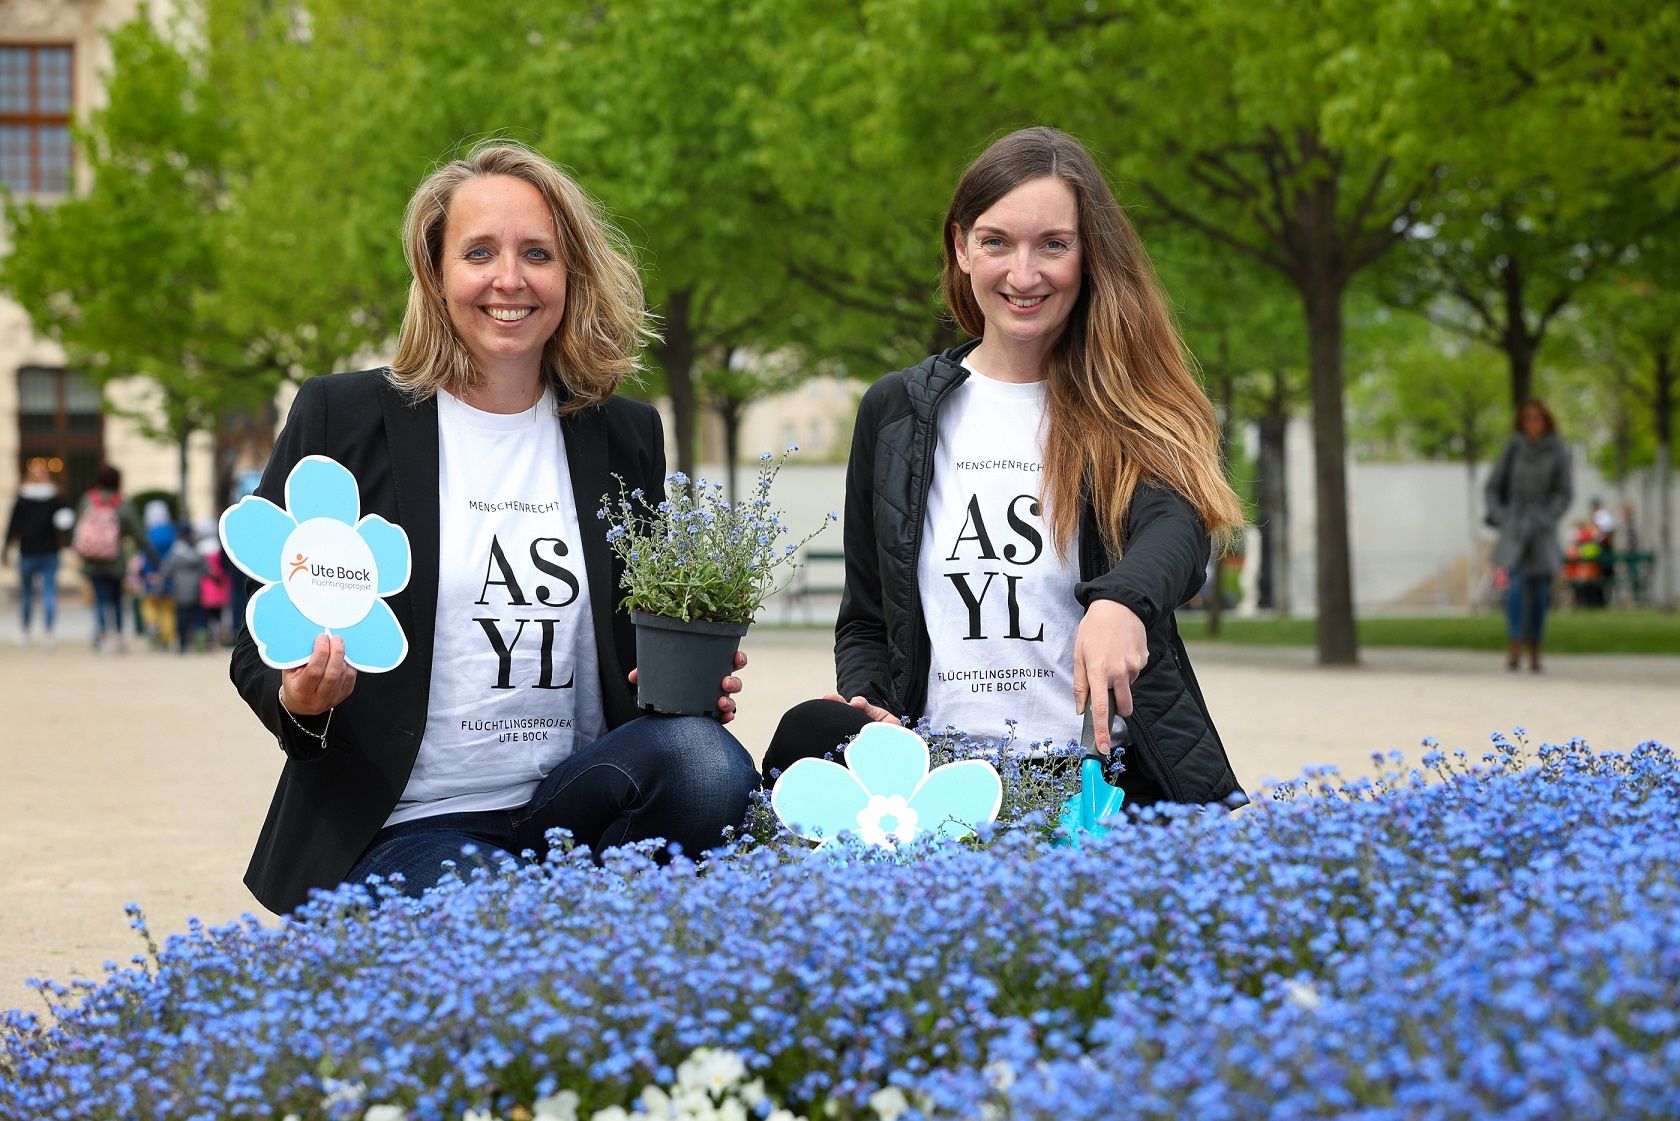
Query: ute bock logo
[[298, 565]]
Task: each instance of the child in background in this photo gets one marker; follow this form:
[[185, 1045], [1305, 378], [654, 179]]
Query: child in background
[[179, 579], [157, 610], [215, 589]]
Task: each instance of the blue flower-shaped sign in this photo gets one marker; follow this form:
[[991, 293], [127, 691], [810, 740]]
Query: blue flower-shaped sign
[[326, 568], [885, 793]]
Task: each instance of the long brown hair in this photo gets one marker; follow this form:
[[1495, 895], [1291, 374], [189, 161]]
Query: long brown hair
[[1123, 406], [605, 323]]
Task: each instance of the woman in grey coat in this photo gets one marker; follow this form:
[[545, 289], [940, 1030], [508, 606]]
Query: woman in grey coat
[[1527, 493]]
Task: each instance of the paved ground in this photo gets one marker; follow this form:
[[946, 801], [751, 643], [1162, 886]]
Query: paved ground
[[141, 777]]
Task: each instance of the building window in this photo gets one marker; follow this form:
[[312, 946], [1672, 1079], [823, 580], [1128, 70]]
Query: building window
[[35, 108], [60, 419]]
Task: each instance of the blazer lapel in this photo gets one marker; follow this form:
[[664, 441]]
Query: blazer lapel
[[411, 435], [588, 457]]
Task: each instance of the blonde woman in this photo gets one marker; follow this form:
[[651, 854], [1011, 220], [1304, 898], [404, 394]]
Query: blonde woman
[[491, 439], [1025, 511]]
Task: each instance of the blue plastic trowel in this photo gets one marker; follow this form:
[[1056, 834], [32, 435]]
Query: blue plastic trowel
[[1097, 799]]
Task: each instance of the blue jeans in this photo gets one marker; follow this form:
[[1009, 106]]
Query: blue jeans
[[1526, 601], [43, 567], [107, 606], [681, 778]]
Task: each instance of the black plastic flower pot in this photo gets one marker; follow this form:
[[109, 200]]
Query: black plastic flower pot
[[680, 666]]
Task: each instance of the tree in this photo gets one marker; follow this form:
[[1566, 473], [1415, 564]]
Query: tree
[[734, 381], [343, 107], [1498, 265], [652, 103], [1635, 329], [1238, 321], [1277, 142]]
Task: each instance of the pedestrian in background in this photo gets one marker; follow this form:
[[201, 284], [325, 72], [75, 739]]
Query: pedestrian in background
[[1527, 493], [179, 581], [105, 525], [39, 520], [157, 608]]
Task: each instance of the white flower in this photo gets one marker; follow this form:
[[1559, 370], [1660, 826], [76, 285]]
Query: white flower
[[752, 1092], [1302, 994], [479, 1115], [889, 1104], [341, 1092], [887, 816], [1000, 1074], [611, 1113], [711, 1070], [556, 1107], [385, 1113]]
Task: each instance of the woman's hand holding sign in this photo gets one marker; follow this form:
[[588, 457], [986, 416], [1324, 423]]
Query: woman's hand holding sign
[[320, 684]]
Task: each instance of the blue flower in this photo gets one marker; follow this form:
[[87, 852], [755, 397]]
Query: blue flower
[[885, 793], [326, 568]]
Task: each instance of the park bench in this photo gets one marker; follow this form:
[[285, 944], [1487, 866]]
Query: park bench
[[821, 575]]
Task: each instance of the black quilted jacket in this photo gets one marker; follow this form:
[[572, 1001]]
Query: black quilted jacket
[[881, 641]]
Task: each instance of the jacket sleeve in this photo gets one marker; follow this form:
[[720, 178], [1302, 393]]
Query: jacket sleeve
[[1164, 562], [13, 529], [860, 632], [1563, 488], [1494, 490], [257, 682]]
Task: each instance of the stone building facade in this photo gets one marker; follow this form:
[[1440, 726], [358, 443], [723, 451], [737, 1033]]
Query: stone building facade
[[53, 54]]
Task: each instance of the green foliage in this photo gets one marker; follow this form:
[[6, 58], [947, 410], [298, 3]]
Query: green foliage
[[1425, 391]]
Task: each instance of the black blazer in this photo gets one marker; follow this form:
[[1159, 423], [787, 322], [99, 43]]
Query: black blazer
[[330, 802]]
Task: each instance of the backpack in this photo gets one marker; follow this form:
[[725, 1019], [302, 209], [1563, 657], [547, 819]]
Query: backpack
[[98, 535]]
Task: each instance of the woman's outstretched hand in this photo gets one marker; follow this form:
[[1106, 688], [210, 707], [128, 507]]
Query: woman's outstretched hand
[[731, 685], [876, 714], [321, 683], [1109, 651]]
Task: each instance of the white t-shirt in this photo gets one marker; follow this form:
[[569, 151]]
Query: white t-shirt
[[515, 684], [997, 598]]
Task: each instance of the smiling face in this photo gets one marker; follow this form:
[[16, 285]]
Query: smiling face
[[1022, 257], [503, 280]]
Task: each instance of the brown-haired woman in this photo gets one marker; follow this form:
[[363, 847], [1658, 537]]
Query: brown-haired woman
[[492, 440], [1025, 511], [1527, 492]]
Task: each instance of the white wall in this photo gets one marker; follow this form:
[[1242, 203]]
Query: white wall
[[1415, 528]]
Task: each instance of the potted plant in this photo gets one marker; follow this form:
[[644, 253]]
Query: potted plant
[[696, 571]]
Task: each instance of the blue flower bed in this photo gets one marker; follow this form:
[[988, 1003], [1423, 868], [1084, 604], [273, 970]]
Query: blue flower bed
[[1497, 940]]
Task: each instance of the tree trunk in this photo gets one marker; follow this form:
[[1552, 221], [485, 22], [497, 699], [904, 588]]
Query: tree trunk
[[182, 513], [1273, 515], [730, 411], [1338, 644], [676, 358], [1518, 344], [1664, 402]]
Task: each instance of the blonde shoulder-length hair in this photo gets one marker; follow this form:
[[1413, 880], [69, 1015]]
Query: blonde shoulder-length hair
[[1123, 406], [605, 323]]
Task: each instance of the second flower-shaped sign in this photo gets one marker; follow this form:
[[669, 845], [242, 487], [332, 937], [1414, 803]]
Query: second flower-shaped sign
[[885, 793], [326, 567]]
